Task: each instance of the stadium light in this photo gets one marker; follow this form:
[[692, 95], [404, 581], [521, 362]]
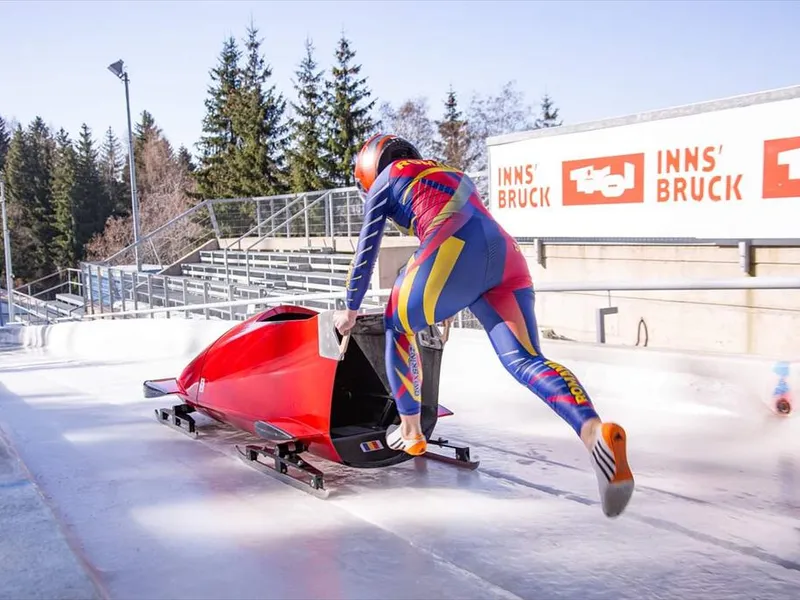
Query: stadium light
[[118, 69]]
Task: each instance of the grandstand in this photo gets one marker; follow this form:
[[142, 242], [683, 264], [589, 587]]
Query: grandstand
[[222, 250]]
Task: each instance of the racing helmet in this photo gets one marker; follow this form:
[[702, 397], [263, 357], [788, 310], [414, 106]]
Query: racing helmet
[[377, 153]]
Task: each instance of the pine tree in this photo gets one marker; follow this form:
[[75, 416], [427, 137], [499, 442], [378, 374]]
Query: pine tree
[[307, 160], [185, 159], [29, 165], [112, 167], [91, 206], [66, 249], [350, 123], [257, 113], [454, 146], [146, 129], [548, 116], [5, 140], [218, 139]]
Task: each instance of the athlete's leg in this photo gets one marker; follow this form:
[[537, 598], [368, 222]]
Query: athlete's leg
[[438, 281], [508, 316]]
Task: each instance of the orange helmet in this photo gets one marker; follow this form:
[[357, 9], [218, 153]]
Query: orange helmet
[[379, 151]]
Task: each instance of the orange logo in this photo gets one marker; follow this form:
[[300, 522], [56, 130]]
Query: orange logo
[[603, 180], [782, 168]]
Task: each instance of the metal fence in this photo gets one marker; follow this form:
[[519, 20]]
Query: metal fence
[[243, 223], [161, 303]]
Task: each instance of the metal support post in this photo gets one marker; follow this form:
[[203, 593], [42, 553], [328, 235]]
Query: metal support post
[[601, 322], [118, 70], [746, 256], [7, 250]]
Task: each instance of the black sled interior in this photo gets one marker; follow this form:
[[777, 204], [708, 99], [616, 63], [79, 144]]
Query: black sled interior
[[362, 405]]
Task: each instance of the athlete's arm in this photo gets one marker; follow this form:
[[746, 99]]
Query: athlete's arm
[[376, 210]]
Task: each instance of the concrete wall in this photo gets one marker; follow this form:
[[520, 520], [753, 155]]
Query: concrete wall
[[744, 382], [760, 322]]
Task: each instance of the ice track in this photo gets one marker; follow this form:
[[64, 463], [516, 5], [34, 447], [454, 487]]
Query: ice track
[[149, 513]]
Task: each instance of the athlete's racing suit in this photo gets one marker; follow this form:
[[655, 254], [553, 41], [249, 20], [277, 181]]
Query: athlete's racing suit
[[465, 260]]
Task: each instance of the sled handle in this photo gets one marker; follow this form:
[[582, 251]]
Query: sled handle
[[446, 332], [343, 344]]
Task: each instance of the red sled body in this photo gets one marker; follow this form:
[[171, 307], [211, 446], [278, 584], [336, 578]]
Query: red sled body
[[283, 376]]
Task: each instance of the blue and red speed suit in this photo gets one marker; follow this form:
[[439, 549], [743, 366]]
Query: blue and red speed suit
[[465, 260]]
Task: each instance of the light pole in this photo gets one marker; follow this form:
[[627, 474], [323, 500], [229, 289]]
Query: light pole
[[118, 69], [7, 247]]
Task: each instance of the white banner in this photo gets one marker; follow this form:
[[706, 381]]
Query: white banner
[[732, 173]]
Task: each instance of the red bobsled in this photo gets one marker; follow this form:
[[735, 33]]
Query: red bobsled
[[286, 376]]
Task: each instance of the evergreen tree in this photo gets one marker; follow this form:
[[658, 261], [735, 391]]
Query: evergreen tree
[[454, 146], [185, 159], [29, 165], [218, 139], [144, 130], [91, 207], [112, 167], [548, 116], [5, 140], [350, 123], [257, 113], [65, 245], [308, 166]]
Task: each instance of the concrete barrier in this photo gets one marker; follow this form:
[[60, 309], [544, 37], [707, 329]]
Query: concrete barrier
[[122, 339], [722, 380]]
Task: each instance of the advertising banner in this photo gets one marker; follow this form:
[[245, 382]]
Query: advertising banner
[[729, 173]]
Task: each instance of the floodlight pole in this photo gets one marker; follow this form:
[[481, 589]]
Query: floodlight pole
[[117, 69], [7, 248]]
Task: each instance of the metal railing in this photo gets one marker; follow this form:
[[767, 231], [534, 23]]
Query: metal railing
[[463, 319], [243, 223], [113, 292], [240, 223]]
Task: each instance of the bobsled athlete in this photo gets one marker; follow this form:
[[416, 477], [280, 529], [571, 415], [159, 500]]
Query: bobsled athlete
[[464, 260]]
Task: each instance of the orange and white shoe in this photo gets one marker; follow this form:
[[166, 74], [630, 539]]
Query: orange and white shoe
[[610, 463], [414, 446]]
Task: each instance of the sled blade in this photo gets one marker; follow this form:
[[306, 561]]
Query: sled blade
[[315, 487], [451, 460], [462, 456]]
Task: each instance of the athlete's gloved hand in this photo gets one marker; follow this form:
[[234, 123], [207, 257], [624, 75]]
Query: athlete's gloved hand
[[344, 320]]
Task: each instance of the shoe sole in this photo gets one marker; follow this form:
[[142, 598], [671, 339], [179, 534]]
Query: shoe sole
[[619, 487], [617, 496]]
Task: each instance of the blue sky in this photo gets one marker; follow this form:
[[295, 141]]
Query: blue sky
[[597, 59]]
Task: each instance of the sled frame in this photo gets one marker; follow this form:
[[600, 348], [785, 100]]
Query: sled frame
[[178, 417]]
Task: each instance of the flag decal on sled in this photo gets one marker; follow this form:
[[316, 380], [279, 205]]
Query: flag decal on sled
[[371, 446]]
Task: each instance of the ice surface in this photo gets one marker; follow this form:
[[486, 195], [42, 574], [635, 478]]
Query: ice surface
[[156, 514]]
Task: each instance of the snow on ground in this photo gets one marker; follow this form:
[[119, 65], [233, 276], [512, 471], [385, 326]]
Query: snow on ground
[[151, 513]]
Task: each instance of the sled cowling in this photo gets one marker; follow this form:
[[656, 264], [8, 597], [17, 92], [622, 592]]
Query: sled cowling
[[285, 376]]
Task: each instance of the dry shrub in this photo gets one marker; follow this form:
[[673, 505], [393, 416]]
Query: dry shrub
[[164, 187]]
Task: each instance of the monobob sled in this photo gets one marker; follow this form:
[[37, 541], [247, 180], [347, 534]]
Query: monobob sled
[[286, 376]]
